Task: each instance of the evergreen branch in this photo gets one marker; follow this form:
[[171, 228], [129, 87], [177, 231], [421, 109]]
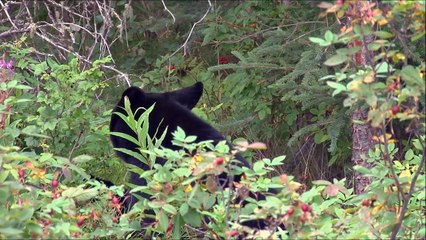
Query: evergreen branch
[[248, 66], [263, 31]]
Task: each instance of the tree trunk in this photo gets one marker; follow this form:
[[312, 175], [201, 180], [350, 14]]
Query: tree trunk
[[361, 143], [362, 138]]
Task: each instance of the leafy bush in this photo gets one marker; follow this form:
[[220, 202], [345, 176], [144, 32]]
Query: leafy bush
[[49, 110], [39, 202], [57, 108]]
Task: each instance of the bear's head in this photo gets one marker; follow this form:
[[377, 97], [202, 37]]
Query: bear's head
[[186, 97], [172, 109]]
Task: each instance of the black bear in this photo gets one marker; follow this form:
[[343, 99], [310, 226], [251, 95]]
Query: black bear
[[172, 109]]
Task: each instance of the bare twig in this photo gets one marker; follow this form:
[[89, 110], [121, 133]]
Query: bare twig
[[61, 26], [76, 143], [66, 9], [14, 31], [185, 44], [165, 8], [389, 160], [5, 8]]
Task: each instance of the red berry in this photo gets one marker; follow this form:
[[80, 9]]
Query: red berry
[[290, 211], [115, 200], [395, 109], [170, 227], [219, 160], [115, 220], [366, 203], [94, 215], [54, 183], [392, 86], [223, 60], [339, 2], [233, 233], [80, 221], [47, 222], [305, 207], [171, 67], [21, 173]]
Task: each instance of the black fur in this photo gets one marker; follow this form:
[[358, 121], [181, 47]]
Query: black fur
[[171, 109]]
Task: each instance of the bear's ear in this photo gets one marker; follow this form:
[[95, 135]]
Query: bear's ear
[[134, 94], [188, 96]]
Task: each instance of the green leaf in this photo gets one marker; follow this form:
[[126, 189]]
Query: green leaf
[[190, 139], [417, 36], [339, 87], [86, 195], [207, 39], [177, 227], [278, 161], [82, 159], [357, 29], [163, 221], [329, 36], [258, 166], [179, 134], [273, 201], [11, 231], [321, 182], [336, 60], [362, 169], [182, 172], [319, 41], [383, 34], [409, 155], [25, 214], [412, 76], [183, 209], [383, 67], [133, 154], [374, 46], [170, 209], [339, 212], [193, 218], [320, 137], [371, 100]]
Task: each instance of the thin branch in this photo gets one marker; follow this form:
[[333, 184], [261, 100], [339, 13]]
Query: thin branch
[[74, 147], [123, 75], [165, 8], [5, 7], [387, 157], [66, 9], [410, 192], [13, 31], [184, 45]]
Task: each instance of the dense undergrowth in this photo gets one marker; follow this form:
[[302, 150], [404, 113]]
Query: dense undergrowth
[[266, 82]]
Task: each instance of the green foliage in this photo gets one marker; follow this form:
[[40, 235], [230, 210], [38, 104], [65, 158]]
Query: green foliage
[[267, 83], [57, 108], [265, 86], [393, 93], [38, 203]]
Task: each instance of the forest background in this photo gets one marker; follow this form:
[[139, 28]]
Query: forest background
[[338, 88]]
